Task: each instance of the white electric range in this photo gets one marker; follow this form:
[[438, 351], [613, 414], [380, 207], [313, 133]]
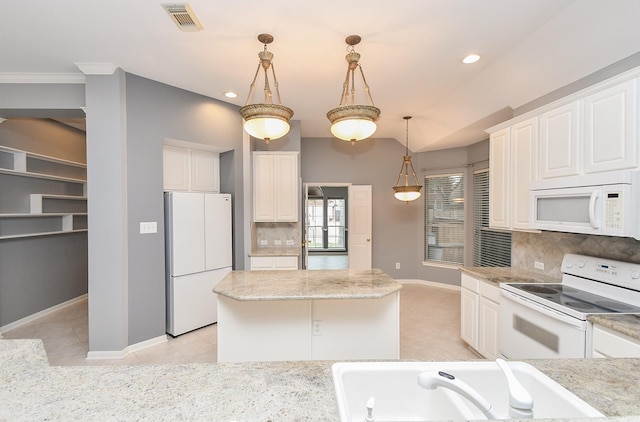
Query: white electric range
[[542, 320]]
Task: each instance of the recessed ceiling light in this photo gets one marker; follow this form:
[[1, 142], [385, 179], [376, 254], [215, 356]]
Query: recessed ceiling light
[[230, 94], [471, 58]]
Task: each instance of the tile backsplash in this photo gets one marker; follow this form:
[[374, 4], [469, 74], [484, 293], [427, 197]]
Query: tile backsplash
[[550, 247], [276, 235]]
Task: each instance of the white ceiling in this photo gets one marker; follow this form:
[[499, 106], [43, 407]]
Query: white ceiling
[[411, 52]]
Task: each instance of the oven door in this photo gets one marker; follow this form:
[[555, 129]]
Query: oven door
[[529, 330]]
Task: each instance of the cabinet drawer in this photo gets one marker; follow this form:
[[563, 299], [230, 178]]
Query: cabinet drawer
[[285, 262], [614, 345], [490, 292], [470, 283], [261, 262]]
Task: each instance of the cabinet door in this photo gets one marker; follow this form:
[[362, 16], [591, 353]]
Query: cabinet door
[[524, 165], [205, 171], [264, 199], [286, 187], [175, 168], [559, 141], [610, 134], [499, 179], [488, 344], [469, 317]]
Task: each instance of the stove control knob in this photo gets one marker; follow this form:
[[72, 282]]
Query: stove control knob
[[569, 265], [581, 264], [635, 275]]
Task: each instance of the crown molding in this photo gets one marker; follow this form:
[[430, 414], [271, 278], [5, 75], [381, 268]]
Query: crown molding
[[41, 78], [96, 68]]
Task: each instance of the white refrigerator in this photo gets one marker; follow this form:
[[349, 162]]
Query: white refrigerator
[[198, 255]]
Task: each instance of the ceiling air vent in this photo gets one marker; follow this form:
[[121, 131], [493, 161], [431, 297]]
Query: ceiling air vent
[[183, 16]]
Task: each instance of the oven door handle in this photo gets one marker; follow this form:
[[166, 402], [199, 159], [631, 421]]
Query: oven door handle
[[552, 313]]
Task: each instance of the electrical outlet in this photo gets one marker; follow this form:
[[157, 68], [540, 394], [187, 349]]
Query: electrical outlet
[[148, 227], [538, 265], [397, 265], [317, 327], [277, 242], [263, 242], [290, 242]]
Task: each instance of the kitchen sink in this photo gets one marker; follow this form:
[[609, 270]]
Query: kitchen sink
[[398, 397]]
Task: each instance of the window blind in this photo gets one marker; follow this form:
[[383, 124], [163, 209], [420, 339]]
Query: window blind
[[444, 218], [491, 248]]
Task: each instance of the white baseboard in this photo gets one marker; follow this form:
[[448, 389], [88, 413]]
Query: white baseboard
[[40, 314], [429, 283], [121, 354]]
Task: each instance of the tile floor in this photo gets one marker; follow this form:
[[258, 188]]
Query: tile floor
[[328, 262], [429, 330]]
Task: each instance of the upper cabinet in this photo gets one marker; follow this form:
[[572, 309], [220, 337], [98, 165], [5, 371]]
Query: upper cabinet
[[275, 187], [559, 141], [186, 169], [611, 128], [513, 165]]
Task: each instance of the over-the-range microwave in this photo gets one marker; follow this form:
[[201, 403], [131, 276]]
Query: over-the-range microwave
[[604, 204]]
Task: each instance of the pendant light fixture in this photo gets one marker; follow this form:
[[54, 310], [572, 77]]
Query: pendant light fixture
[[349, 121], [266, 120], [406, 192]]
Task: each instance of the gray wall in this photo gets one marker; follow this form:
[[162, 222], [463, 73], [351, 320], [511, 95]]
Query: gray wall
[[156, 111], [37, 273], [374, 162]]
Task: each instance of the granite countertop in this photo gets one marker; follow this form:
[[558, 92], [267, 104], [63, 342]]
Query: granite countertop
[[497, 275], [268, 391], [628, 324], [275, 252], [307, 285]]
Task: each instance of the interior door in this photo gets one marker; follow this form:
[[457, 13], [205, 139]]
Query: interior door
[[360, 227], [305, 229]]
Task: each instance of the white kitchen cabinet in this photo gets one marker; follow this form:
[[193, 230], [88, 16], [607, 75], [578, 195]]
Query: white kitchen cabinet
[[559, 138], [274, 263], [499, 172], [610, 128], [610, 344], [479, 315], [469, 299], [186, 169], [512, 166], [488, 321], [275, 187]]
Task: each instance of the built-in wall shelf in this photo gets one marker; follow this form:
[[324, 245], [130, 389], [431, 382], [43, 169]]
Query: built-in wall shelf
[[40, 208], [41, 176]]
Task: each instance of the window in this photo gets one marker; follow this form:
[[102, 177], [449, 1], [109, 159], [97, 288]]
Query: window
[[444, 218], [326, 224], [491, 248]]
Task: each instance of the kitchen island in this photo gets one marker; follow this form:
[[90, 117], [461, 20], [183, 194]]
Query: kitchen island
[[276, 391], [308, 315]]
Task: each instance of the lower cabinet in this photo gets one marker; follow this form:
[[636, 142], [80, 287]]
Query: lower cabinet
[[479, 307], [274, 263], [610, 344]]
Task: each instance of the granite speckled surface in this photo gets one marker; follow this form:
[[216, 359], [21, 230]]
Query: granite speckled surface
[[275, 252], [31, 390], [307, 285], [625, 324], [497, 275]]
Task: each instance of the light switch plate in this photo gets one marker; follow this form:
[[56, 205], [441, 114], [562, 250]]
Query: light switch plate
[[263, 242], [147, 227]]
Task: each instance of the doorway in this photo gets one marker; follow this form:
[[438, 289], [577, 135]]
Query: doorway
[[326, 227]]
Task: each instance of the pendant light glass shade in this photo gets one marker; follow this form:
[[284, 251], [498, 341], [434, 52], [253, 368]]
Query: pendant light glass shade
[[266, 120], [349, 121], [405, 191]]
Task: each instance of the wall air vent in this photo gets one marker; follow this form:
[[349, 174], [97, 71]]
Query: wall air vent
[[183, 16]]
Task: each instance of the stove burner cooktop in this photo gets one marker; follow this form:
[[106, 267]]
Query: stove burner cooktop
[[576, 299]]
